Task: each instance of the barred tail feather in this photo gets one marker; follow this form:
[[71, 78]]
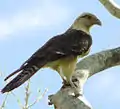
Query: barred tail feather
[[24, 75], [15, 72]]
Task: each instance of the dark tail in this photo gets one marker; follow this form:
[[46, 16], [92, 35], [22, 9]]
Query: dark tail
[[25, 72]]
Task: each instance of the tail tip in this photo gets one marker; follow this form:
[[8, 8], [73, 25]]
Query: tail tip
[[5, 79], [2, 91]]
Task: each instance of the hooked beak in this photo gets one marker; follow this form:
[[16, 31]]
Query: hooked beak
[[98, 22]]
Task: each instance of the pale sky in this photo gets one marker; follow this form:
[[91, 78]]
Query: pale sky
[[26, 25]]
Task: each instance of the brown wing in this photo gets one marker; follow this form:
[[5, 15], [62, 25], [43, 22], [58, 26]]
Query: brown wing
[[73, 42]]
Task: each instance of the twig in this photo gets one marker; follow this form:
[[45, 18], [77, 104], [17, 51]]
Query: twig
[[40, 96], [4, 102], [18, 100], [27, 95]]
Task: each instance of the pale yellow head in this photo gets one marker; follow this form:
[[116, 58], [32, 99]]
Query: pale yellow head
[[85, 21]]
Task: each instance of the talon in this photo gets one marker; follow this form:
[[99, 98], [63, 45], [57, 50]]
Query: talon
[[50, 103], [77, 95], [74, 80], [66, 83], [76, 84], [72, 84]]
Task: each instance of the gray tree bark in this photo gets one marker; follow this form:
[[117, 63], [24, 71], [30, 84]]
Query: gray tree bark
[[112, 7], [64, 98]]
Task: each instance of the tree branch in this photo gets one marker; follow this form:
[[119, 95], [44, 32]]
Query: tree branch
[[89, 66], [100, 61], [112, 7]]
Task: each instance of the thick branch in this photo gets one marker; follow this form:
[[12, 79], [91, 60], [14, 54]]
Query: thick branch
[[112, 7], [100, 61], [90, 65]]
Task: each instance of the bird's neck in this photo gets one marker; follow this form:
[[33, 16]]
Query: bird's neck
[[81, 26]]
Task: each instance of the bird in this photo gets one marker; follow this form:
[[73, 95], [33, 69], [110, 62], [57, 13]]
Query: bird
[[59, 53]]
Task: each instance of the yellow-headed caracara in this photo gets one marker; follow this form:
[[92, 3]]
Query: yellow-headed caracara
[[59, 53]]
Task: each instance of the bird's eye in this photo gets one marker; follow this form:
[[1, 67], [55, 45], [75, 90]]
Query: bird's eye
[[89, 17]]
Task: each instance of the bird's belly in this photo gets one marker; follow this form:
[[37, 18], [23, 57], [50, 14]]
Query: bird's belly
[[53, 65], [64, 66]]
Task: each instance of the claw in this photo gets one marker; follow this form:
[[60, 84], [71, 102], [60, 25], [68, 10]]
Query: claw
[[73, 85], [66, 83], [74, 80], [75, 89]]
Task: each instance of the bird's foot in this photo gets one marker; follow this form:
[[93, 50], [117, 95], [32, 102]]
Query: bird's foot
[[75, 89], [73, 84], [65, 84]]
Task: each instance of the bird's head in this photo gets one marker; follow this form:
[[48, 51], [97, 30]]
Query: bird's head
[[85, 21]]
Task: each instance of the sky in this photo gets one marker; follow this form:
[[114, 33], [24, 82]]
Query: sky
[[26, 25]]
